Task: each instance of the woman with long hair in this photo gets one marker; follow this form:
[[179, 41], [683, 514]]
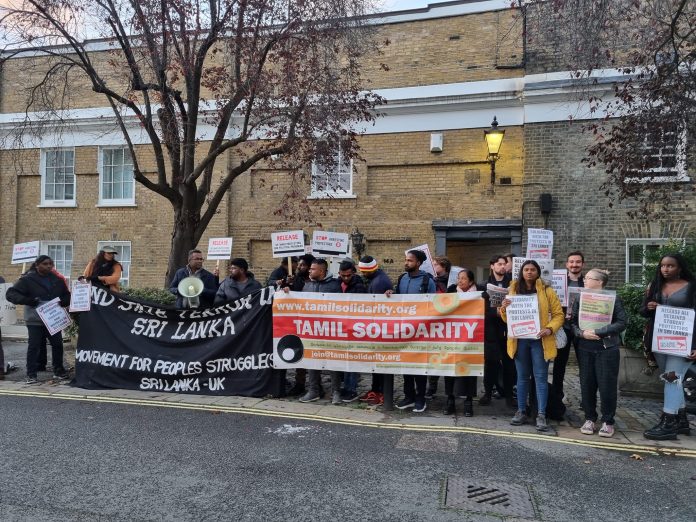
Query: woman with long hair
[[534, 355], [467, 385], [104, 270], [673, 285]]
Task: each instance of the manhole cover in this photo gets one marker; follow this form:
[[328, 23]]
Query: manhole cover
[[488, 497]]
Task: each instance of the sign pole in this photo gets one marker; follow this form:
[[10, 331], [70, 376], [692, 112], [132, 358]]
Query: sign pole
[[290, 265], [24, 268]]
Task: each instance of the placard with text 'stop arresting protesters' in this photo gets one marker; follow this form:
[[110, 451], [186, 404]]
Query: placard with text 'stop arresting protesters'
[[194, 268], [239, 283], [414, 281], [320, 281], [598, 359], [40, 285], [533, 355], [351, 283], [673, 285], [378, 282], [104, 270]]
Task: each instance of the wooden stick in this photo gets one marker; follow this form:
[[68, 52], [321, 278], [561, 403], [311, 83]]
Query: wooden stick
[[290, 265]]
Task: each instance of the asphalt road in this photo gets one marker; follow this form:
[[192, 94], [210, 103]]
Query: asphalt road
[[64, 460]]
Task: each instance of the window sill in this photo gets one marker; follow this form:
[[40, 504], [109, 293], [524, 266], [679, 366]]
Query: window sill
[[106, 204], [331, 195], [52, 204]]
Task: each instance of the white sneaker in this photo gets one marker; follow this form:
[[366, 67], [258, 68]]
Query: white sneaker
[[588, 428], [607, 430]]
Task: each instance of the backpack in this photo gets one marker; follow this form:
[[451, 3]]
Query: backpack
[[423, 289]]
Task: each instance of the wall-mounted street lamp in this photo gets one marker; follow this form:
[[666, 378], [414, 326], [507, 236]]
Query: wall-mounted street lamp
[[357, 238], [494, 138]]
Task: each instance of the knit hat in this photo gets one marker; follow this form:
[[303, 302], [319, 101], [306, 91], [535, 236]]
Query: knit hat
[[240, 263], [368, 264]]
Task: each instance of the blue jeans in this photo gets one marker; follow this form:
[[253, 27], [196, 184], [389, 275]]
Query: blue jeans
[[674, 389], [529, 360], [350, 381]]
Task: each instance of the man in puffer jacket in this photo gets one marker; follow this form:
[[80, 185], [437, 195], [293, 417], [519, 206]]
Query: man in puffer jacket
[[240, 282]]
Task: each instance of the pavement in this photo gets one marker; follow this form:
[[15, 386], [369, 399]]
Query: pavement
[[634, 414]]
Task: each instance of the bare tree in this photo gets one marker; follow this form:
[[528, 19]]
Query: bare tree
[[640, 138], [201, 78]]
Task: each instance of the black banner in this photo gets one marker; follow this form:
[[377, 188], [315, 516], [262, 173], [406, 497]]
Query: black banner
[[222, 350]]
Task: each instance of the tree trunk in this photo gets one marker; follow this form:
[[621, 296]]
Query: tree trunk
[[183, 240]]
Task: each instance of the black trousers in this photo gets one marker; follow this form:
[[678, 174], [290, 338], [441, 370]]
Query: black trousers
[[37, 339], [560, 363], [599, 371], [2, 356], [464, 386], [414, 386]]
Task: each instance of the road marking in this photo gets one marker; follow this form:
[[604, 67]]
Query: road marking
[[633, 448]]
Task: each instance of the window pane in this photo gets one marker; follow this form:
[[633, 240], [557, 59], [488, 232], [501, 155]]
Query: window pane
[[635, 274], [635, 254]]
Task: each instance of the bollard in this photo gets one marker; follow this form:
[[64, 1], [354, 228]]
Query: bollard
[[388, 392]]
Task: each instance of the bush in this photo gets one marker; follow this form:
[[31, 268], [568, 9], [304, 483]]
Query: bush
[[632, 295], [158, 296]]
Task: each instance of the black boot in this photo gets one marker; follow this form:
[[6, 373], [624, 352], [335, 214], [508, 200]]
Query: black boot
[[666, 429], [449, 406], [468, 407], [684, 428]]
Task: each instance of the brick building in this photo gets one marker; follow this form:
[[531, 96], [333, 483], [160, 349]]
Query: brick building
[[452, 68]]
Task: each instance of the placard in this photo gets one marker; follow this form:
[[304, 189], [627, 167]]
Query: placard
[[219, 248], [453, 275], [539, 243], [674, 330], [329, 243], [287, 244], [559, 282], [25, 252], [596, 308], [80, 296], [427, 265], [523, 317], [54, 316], [573, 295], [546, 266], [496, 295], [8, 311]]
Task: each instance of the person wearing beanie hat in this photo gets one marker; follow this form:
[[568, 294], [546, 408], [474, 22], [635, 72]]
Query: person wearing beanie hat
[[240, 282]]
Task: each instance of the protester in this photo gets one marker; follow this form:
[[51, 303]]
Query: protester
[[38, 286], [414, 281], [495, 356], [104, 270], [240, 282], [598, 359], [442, 267], [351, 283], [575, 262], [533, 355], [378, 282], [673, 285], [508, 262], [194, 268], [320, 281], [467, 385], [278, 277]]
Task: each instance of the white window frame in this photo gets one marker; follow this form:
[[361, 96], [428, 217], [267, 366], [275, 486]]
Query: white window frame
[[43, 249], [57, 202], [644, 242], [125, 276], [332, 193], [680, 167], [112, 202]]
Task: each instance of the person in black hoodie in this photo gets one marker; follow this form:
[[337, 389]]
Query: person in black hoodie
[[40, 285], [351, 283], [241, 282]]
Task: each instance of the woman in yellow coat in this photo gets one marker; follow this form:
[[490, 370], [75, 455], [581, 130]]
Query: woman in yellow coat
[[532, 356]]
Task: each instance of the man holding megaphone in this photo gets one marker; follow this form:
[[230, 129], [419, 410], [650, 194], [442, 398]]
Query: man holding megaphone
[[191, 295]]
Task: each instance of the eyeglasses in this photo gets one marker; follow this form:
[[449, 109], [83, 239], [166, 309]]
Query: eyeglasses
[[593, 279]]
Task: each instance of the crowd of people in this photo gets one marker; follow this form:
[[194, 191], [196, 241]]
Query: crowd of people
[[515, 370]]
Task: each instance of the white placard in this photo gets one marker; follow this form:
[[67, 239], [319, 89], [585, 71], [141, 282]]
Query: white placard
[[453, 275], [288, 244], [427, 265], [8, 311], [219, 248], [329, 243], [25, 252], [539, 243], [54, 316], [81, 296], [546, 266], [674, 330], [523, 316], [496, 294], [559, 282]]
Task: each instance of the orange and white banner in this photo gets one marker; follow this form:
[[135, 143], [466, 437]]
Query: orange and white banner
[[426, 334]]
